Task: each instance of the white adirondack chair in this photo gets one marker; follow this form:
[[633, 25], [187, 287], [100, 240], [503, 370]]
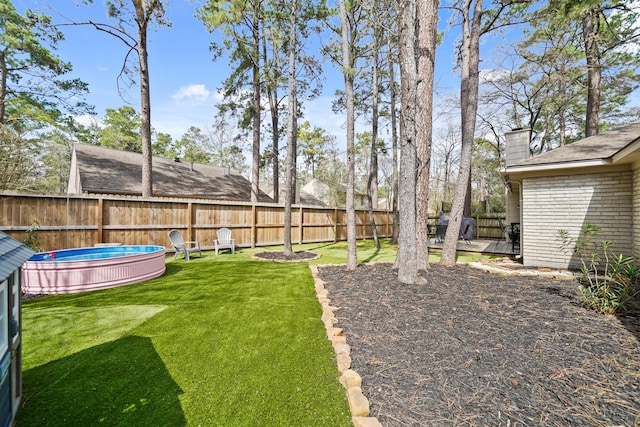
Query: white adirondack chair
[[183, 247], [224, 241]]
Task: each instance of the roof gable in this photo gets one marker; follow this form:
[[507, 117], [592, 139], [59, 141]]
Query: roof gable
[[108, 171], [598, 148], [12, 255]]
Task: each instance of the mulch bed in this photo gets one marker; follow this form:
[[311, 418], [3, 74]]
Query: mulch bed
[[472, 348], [280, 256]]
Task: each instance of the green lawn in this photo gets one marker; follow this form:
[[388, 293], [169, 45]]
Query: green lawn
[[218, 341]]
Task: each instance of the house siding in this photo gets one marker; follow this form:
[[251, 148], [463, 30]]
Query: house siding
[[636, 214], [568, 202], [513, 203]]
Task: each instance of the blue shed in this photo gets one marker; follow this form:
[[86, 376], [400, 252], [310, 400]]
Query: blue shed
[[12, 255]]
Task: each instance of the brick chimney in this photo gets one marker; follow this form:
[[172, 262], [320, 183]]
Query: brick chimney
[[517, 146]]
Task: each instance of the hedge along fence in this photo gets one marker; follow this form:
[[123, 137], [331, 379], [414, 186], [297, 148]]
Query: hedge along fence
[[82, 221]]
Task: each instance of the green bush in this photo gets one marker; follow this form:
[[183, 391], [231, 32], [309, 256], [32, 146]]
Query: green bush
[[608, 281], [31, 238]]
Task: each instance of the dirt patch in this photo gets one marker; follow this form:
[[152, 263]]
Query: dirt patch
[[472, 348]]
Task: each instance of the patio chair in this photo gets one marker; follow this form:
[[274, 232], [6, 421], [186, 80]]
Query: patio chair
[[513, 233], [224, 241], [503, 229], [182, 247], [441, 232], [465, 233], [431, 232]]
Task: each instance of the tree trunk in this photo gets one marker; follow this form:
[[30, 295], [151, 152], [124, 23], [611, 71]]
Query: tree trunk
[[255, 122], [469, 82], [272, 94], [562, 114], [372, 184], [428, 19], [347, 71], [594, 72], [292, 130], [3, 87], [275, 153], [145, 101], [407, 255], [394, 144], [466, 211]]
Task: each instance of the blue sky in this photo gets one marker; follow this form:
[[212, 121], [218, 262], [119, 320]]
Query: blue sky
[[184, 79]]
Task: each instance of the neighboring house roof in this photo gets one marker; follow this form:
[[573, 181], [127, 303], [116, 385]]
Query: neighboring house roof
[[309, 199], [306, 199], [620, 145], [100, 170], [327, 194], [12, 255]]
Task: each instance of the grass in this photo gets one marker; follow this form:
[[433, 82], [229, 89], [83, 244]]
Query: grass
[[218, 341]]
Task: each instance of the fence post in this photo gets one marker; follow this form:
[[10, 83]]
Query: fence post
[[99, 219], [301, 224], [476, 225], [254, 219], [190, 221]]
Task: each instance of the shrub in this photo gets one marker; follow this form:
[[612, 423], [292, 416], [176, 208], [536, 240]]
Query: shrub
[[608, 281], [31, 238]]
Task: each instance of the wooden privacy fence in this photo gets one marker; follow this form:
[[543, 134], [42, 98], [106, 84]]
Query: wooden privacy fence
[[83, 221]]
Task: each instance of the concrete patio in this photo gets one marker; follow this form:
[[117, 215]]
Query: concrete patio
[[489, 247]]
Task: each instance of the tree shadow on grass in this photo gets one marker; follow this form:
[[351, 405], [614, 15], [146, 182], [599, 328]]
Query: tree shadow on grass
[[373, 255], [120, 383]]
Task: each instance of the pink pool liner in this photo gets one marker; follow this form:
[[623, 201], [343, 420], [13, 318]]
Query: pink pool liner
[[51, 276]]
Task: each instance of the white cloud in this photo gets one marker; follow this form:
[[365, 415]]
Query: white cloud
[[492, 75], [197, 92], [87, 120]]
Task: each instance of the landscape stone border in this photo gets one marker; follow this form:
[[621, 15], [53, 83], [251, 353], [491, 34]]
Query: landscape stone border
[[350, 379], [533, 271]]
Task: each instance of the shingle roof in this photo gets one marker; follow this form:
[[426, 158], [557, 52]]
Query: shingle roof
[[598, 147], [108, 171], [12, 255], [305, 198], [310, 199]]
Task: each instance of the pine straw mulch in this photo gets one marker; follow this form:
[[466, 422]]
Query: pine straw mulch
[[472, 348], [279, 256]]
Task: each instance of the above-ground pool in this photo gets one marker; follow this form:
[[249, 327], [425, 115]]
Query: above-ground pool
[[87, 269]]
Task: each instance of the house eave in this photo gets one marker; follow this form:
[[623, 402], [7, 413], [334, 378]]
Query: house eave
[[561, 166], [630, 153]]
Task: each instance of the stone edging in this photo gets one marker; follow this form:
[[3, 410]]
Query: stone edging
[[350, 380], [553, 274]]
